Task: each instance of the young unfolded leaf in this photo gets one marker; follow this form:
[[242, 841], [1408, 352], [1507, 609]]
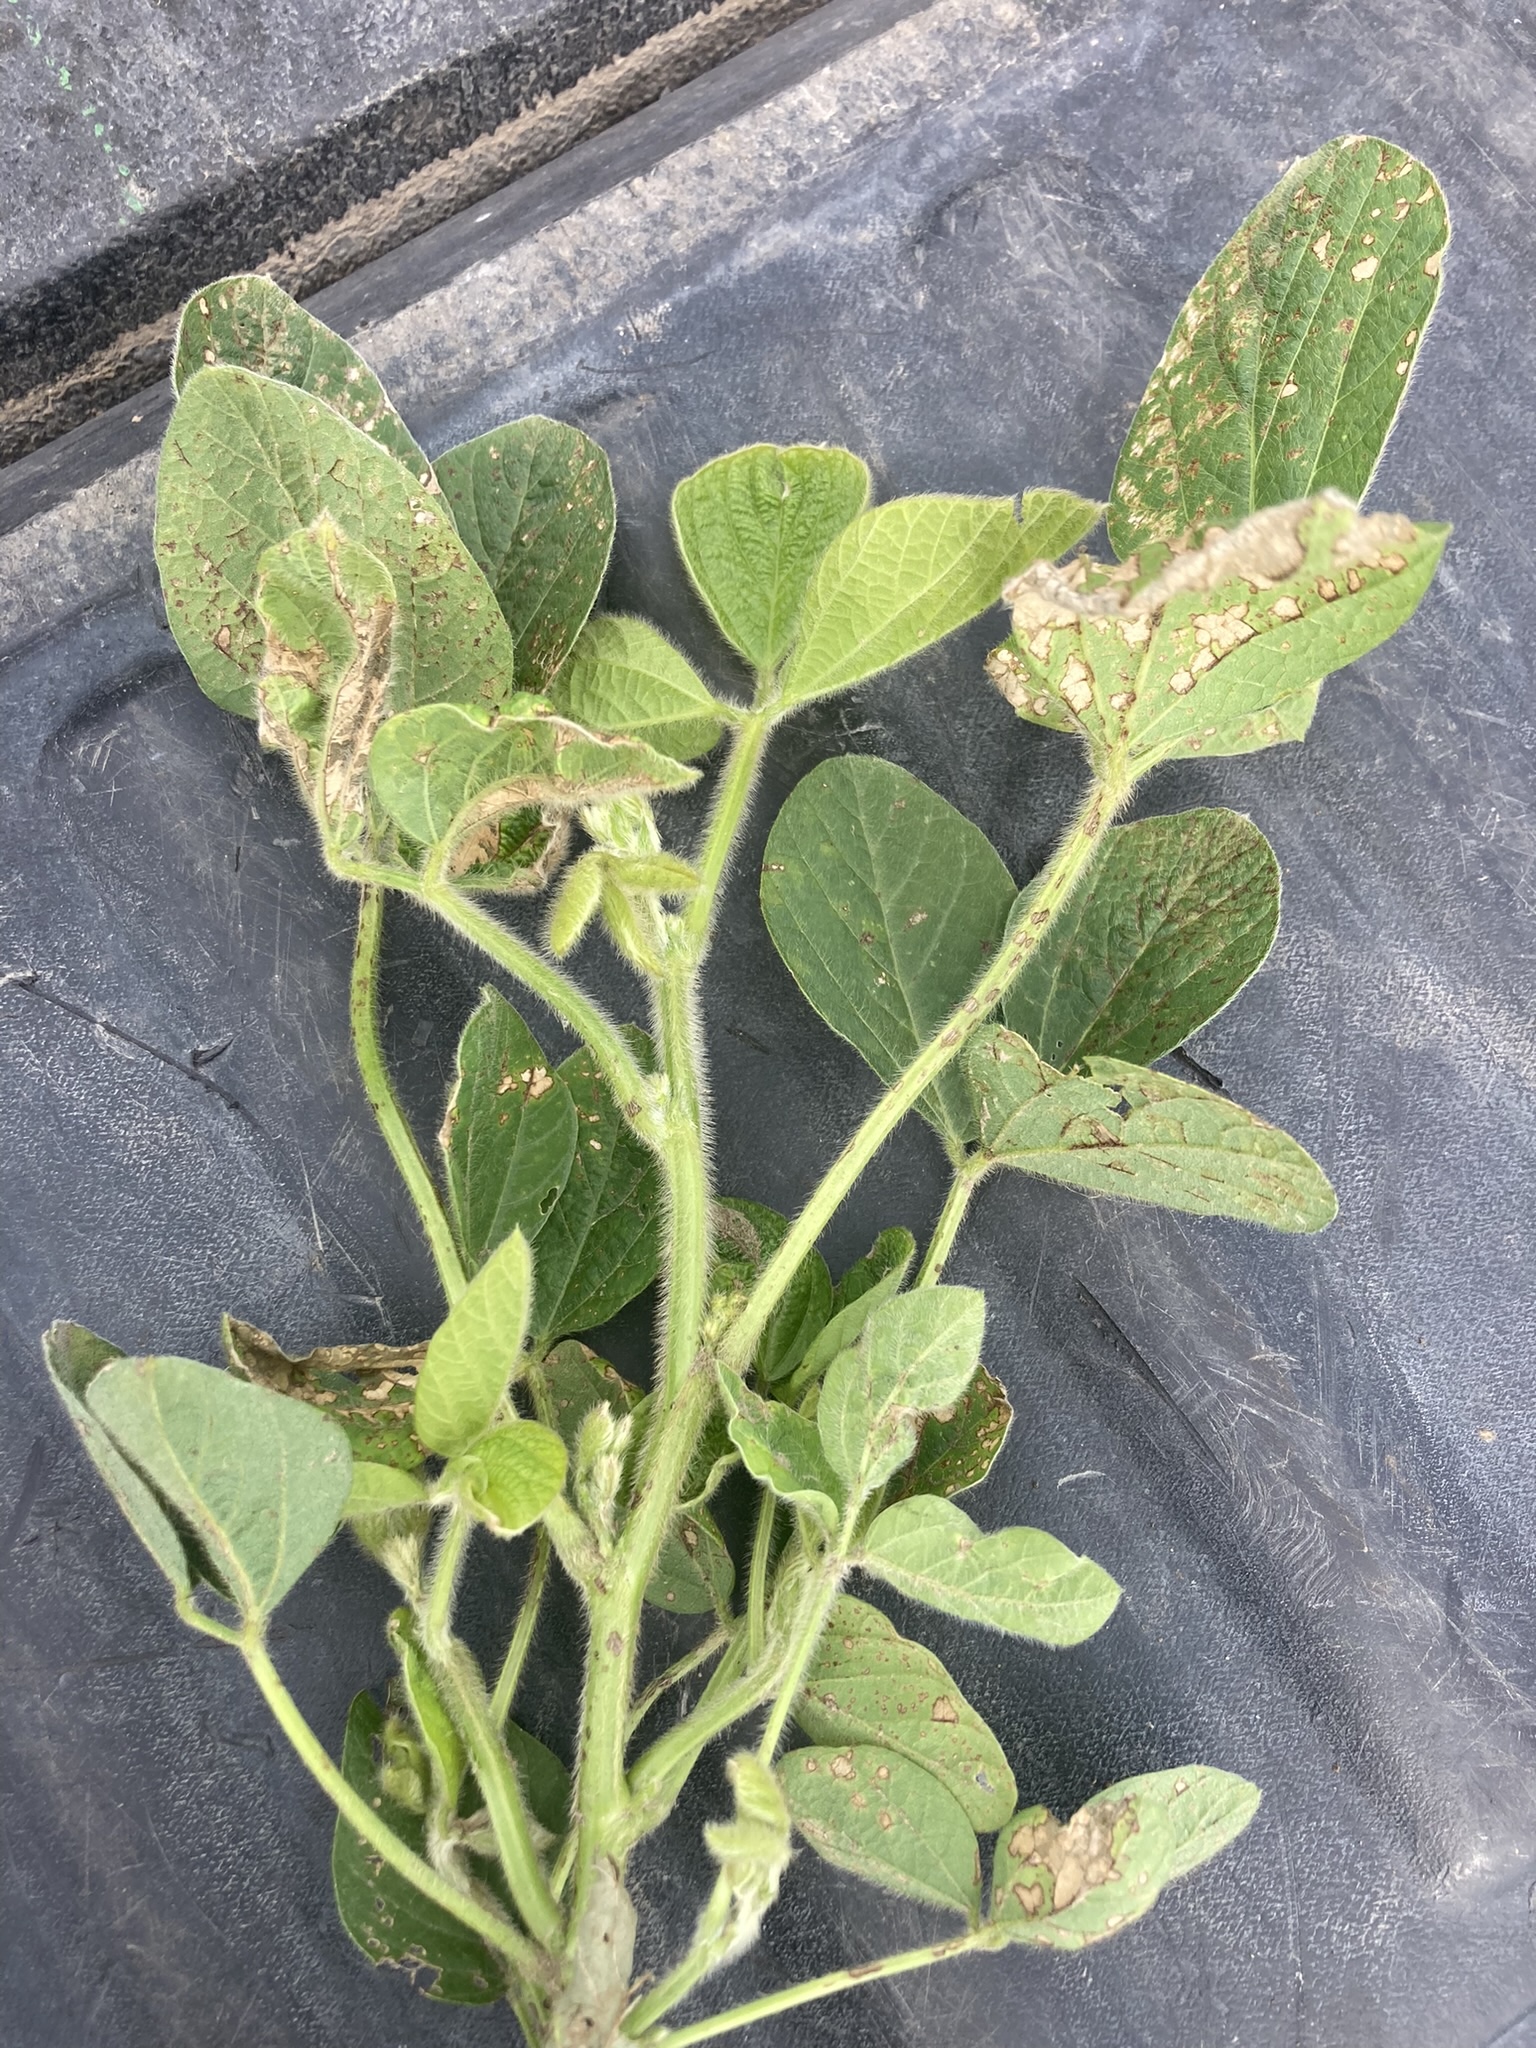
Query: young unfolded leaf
[[751, 528], [870, 1685], [1124, 1130], [623, 677], [474, 1352], [534, 503], [1216, 649], [511, 1476], [434, 1724], [249, 323], [74, 1356], [382, 1911], [1285, 370], [1177, 913], [1018, 1580], [296, 459], [381, 1490], [956, 1447], [914, 1354], [892, 1252], [780, 1448], [884, 904], [694, 1573], [887, 1820], [509, 1136], [450, 775], [573, 1379], [905, 574], [260, 1482], [897, 1249], [367, 1388]]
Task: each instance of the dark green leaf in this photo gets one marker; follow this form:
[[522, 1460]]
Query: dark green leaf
[[780, 1448], [573, 1380], [914, 1355], [367, 1388], [845, 1326], [1176, 915], [956, 1447], [510, 1134], [546, 1781], [806, 1303], [694, 1573], [533, 501], [869, 1684], [511, 1475], [1285, 370], [385, 1915], [885, 904], [751, 528], [887, 1820], [623, 677], [892, 1251], [475, 1351]]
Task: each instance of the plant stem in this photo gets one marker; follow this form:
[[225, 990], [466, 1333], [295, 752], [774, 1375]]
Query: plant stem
[[732, 795], [355, 1810], [1055, 887], [805, 1633], [757, 1585], [522, 1635], [712, 1938], [384, 1103], [675, 1673], [980, 1939], [967, 1179]]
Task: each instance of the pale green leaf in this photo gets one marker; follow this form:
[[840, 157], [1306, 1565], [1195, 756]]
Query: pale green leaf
[[1018, 1580], [367, 1388], [694, 1573], [1287, 365], [623, 677], [885, 904], [475, 1350], [896, 1250], [1124, 1130], [534, 503], [260, 1482], [381, 1489], [887, 1820], [869, 1684], [905, 574], [914, 1355], [1177, 913], [1205, 1809], [780, 1448], [247, 461], [957, 1446], [511, 1475], [751, 528]]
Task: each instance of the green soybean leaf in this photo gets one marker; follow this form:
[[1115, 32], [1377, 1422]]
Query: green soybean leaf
[[1018, 1580], [546, 1781], [383, 1912], [780, 1448], [915, 1354], [905, 574], [1287, 365], [694, 1573], [295, 459], [435, 1725], [806, 1303], [599, 1244], [381, 1490], [1205, 1809], [533, 501], [887, 1820], [1124, 1130], [450, 775], [261, 1482], [1176, 915], [869, 1684], [956, 1447], [475, 1350], [249, 323], [510, 1134], [892, 1252], [511, 1475], [845, 1326], [74, 1357], [623, 677], [884, 904], [367, 1388], [751, 528], [1219, 648], [573, 1379]]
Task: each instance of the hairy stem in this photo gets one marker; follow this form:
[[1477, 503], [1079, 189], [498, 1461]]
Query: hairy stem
[[397, 1134], [732, 796], [522, 1635], [967, 1179], [675, 1673]]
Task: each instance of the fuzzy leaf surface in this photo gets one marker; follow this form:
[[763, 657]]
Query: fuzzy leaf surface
[[533, 501], [886, 1819], [512, 1475], [260, 1481], [780, 1448], [295, 459], [1018, 1580], [575, 1380], [474, 1351], [624, 677], [917, 1353], [884, 903], [905, 574], [956, 1447], [751, 528], [509, 1137], [1287, 365], [870, 1685], [892, 1252], [367, 1388], [1123, 1130], [694, 1573], [1176, 915]]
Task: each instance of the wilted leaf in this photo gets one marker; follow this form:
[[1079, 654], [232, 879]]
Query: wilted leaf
[[870, 1685], [913, 1355], [956, 1447], [887, 1820], [623, 677], [474, 1352], [1124, 1130], [367, 1388], [1176, 914], [780, 1448], [1285, 370], [694, 1573], [884, 904], [511, 1475], [1018, 1580], [533, 501]]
